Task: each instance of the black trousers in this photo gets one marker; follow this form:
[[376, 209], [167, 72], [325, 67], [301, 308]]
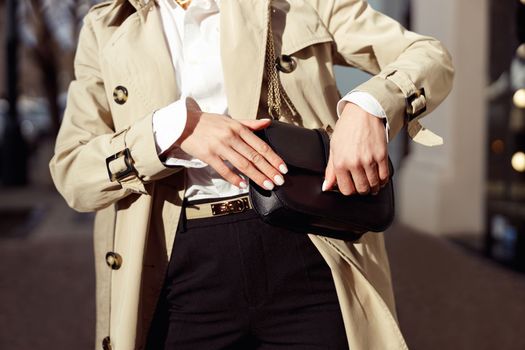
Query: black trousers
[[234, 282]]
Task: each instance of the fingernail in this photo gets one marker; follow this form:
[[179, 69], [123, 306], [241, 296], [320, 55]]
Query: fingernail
[[283, 168], [268, 185], [279, 180], [243, 185], [325, 183]]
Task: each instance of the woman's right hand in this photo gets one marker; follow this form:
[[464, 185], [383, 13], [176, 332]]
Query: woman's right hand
[[215, 138]]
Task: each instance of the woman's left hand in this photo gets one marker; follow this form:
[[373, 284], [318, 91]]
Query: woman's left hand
[[358, 159]]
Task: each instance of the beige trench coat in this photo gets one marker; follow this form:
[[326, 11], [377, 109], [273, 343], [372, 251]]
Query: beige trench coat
[[122, 44]]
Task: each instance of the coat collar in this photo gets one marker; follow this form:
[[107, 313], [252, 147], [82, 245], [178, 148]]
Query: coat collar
[[142, 7], [120, 9], [138, 4]]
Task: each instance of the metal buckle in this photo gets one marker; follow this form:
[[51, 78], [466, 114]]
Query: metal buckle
[[411, 114], [129, 165], [230, 207], [286, 64]]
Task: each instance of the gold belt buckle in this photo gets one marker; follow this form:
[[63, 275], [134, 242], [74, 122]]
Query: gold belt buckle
[[230, 207]]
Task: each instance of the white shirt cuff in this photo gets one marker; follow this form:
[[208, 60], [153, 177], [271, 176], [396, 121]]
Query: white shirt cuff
[[168, 125], [180, 158], [368, 103]]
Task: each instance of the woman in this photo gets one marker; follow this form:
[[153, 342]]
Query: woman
[[157, 138]]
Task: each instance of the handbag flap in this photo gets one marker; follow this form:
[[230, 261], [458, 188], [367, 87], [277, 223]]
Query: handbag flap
[[298, 147], [300, 204]]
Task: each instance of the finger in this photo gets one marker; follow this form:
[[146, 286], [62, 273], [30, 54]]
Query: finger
[[258, 161], [360, 180], [384, 172], [344, 180], [229, 175], [256, 124], [329, 177], [263, 149], [247, 168], [372, 175]]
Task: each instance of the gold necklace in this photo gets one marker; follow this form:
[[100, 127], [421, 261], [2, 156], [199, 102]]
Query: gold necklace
[[183, 3]]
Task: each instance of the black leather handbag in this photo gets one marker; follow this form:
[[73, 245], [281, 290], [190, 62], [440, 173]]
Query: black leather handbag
[[300, 204]]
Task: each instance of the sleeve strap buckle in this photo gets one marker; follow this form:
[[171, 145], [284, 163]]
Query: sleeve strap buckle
[[128, 162], [416, 104]]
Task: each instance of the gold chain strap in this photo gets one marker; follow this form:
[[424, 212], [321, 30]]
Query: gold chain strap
[[275, 93]]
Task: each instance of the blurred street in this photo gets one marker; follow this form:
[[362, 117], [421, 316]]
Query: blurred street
[[47, 284]]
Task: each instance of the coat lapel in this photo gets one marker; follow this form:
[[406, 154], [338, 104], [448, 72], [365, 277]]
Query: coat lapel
[[139, 45], [243, 43], [243, 46]]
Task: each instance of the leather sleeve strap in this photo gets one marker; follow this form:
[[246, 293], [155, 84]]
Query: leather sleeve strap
[[416, 105], [120, 165], [415, 98]]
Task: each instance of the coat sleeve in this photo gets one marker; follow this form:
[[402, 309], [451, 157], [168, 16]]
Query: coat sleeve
[[412, 73], [87, 138]]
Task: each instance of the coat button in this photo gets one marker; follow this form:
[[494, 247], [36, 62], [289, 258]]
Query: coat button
[[120, 95], [113, 260], [286, 64], [106, 344]]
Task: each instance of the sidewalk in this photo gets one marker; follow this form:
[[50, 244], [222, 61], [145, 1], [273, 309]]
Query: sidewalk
[[47, 286]]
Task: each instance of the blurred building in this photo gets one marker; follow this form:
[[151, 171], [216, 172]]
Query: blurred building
[[48, 31], [474, 186], [505, 220]]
